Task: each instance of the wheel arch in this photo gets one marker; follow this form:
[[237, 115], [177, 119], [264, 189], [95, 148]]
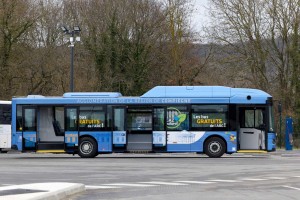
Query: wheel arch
[[84, 137], [215, 135]]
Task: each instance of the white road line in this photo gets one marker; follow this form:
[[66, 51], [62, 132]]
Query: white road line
[[93, 187], [254, 179], [6, 184], [276, 178], [291, 187], [296, 176], [195, 182], [130, 184], [225, 181], [163, 183]]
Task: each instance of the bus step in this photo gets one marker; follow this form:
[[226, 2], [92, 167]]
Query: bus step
[[51, 146], [51, 151], [251, 151], [139, 151]]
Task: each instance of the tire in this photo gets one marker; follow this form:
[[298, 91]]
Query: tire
[[88, 148], [214, 147]]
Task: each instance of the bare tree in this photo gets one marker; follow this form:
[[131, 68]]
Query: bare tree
[[16, 17]]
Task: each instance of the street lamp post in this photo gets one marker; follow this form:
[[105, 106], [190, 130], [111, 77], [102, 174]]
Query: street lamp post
[[76, 30]]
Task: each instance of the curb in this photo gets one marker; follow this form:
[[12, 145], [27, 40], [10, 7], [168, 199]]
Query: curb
[[42, 191]]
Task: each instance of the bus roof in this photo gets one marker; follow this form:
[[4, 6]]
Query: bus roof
[[200, 91], [158, 95], [5, 102]]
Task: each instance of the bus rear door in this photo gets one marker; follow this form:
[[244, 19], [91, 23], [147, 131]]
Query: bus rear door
[[71, 129], [139, 128], [119, 130]]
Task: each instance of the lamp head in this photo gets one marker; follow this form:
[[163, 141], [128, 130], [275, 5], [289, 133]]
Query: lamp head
[[76, 29], [64, 29]]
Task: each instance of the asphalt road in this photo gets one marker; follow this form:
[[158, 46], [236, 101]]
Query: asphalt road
[[161, 176]]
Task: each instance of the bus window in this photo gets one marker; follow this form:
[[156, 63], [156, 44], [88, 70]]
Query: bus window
[[109, 118], [177, 118], [91, 118], [209, 117], [159, 119], [71, 120], [139, 121], [19, 120], [59, 116], [271, 119], [119, 124], [253, 118], [5, 114], [30, 119]]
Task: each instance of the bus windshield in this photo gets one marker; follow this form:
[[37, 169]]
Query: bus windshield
[[271, 119]]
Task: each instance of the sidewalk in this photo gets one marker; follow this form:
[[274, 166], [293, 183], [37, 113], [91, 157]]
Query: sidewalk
[[40, 191], [286, 153]]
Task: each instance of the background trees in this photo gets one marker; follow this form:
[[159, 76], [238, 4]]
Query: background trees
[[260, 46]]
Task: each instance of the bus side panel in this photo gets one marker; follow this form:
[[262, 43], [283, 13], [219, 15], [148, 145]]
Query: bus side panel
[[229, 137], [186, 141], [104, 140], [29, 139], [180, 141], [5, 136], [71, 141], [271, 142], [16, 141]]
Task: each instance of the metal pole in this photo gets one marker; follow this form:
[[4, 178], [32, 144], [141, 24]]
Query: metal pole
[[280, 119], [280, 136], [72, 65]]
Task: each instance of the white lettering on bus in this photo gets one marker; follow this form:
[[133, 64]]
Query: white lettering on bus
[[134, 101]]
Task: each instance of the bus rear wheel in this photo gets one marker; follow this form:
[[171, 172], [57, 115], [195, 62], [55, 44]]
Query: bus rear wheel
[[88, 148], [214, 147]]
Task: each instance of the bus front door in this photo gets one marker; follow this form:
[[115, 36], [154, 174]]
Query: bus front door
[[29, 128], [252, 133]]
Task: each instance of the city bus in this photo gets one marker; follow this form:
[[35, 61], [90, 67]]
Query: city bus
[[213, 120], [5, 125]]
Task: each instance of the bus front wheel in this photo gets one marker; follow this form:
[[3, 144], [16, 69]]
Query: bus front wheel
[[88, 148], [214, 147]]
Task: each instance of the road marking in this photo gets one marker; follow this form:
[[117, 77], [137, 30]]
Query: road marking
[[130, 184], [195, 182], [254, 179], [276, 178], [163, 183], [225, 181], [91, 187], [6, 184], [182, 183], [291, 187]]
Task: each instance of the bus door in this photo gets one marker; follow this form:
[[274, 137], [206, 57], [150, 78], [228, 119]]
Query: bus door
[[252, 133], [50, 131], [29, 127], [139, 128], [159, 129], [71, 129], [119, 130]]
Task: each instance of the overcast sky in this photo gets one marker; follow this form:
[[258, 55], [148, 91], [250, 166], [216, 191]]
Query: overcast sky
[[200, 16]]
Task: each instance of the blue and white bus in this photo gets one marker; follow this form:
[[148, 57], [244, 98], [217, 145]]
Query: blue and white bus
[[205, 119], [5, 125]]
